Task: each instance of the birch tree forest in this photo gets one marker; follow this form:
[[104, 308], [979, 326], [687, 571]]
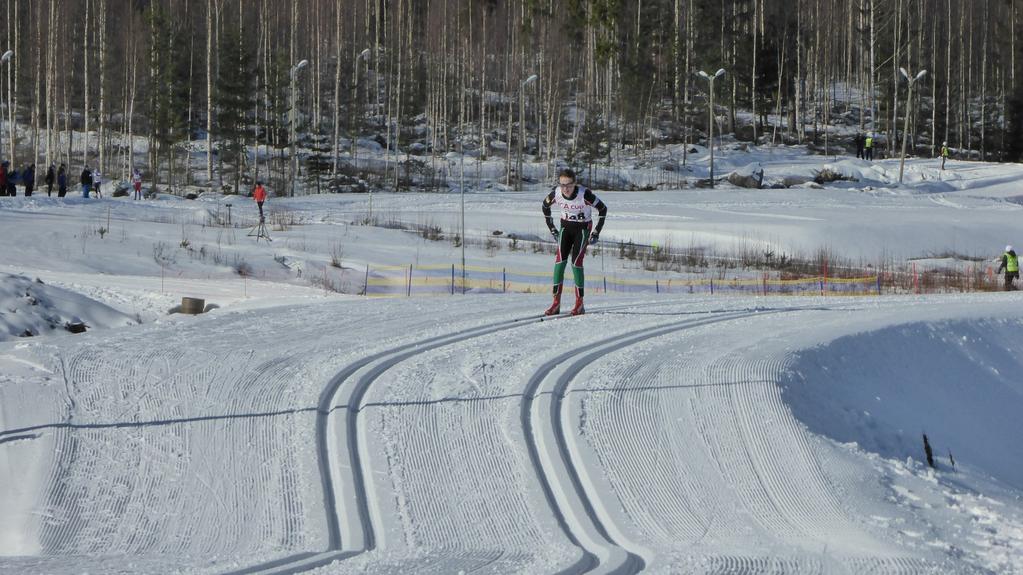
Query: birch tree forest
[[115, 84]]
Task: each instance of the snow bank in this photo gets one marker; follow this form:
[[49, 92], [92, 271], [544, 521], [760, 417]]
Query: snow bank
[[31, 308], [956, 381]]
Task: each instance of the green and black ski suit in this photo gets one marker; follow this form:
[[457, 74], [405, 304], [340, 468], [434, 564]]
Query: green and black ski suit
[[576, 232]]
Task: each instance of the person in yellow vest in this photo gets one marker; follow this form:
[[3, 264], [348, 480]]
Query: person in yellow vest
[[944, 154], [868, 147], [1010, 263]]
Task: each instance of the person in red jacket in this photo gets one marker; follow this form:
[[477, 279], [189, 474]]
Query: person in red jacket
[[259, 194]]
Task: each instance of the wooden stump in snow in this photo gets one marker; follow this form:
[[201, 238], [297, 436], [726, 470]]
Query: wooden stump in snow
[[192, 305]]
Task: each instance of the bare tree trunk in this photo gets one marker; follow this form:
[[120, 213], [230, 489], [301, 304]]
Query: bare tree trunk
[[68, 134], [873, 71], [37, 80], [948, 73], [85, 76], [102, 41], [934, 82], [893, 123], [676, 59], [781, 76], [154, 152], [753, 76], [963, 120], [218, 7], [316, 23], [733, 56], [337, 88], [799, 72], [209, 93], [51, 67], [12, 31], [133, 87]]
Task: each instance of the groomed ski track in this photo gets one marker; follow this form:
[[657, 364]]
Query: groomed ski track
[[539, 448]]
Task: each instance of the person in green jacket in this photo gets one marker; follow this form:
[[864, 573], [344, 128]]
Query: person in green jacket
[[1010, 263], [944, 154], [868, 147]]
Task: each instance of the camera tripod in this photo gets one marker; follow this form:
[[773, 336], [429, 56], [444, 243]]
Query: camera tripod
[[259, 230]]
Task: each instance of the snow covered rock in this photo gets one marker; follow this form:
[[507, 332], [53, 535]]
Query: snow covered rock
[[749, 176], [369, 144], [31, 308], [840, 171], [793, 181]]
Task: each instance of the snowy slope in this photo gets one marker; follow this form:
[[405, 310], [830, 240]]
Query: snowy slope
[[438, 436], [294, 429]]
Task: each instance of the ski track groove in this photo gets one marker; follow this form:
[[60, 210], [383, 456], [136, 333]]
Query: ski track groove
[[775, 502], [755, 404], [112, 518], [351, 401], [596, 526], [351, 488], [615, 414]]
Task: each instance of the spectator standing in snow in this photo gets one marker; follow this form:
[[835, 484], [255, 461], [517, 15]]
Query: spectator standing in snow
[[136, 182], [259, 194], [12, 182], [28, 178], [3, 178], [97, 181], [868, 147], [86, 181], [1010, 263], [577, 231], [51, 176], [944, 154], [62, 181], [859, 145]]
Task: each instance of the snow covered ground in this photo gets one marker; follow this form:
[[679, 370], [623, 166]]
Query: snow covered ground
[[296, 429]]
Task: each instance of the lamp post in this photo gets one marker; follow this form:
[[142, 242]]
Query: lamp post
[[291, 121], [909, 109], [710, 115], [3, 60], [522, 129]]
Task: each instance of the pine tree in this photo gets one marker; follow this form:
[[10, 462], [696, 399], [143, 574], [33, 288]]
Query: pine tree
[[234, 100], [168, 88], [1014, 126]]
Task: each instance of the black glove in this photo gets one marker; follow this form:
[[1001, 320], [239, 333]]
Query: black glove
[[594, 237], [554, 232]]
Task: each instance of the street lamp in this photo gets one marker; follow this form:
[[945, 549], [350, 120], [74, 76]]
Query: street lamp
[[522, 129], [291, 121], [909, 110], [710, 115], [3, 60]]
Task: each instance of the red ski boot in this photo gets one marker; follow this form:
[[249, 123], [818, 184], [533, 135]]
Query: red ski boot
[[578, 309], [555, 308]]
